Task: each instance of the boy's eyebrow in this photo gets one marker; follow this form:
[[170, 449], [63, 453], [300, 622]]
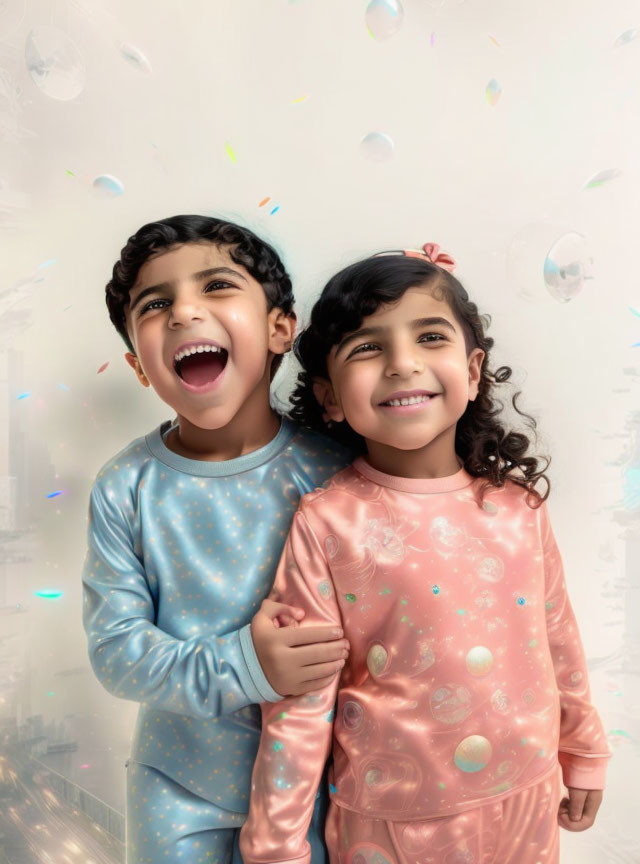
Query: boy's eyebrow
[[195, 277], [375, 331]]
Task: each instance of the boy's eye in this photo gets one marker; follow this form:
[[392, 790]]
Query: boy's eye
[[435, 337], [153, 304], [218, 285]]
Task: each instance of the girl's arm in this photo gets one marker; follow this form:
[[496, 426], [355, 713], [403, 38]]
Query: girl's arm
[[202, 676], [296, 733], [583, 750]]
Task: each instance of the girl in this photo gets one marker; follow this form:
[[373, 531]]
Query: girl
[[466, 684]]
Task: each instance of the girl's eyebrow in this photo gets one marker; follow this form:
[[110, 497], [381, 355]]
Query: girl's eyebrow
[[195, 277], [376, 331]]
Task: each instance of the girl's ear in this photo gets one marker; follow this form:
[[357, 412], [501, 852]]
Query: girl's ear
[[476, 359], [133, 361], [323, 391]]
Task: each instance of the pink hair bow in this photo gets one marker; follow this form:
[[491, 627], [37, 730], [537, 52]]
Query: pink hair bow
[[442, 259]]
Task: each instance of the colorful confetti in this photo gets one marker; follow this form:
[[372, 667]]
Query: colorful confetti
[[108, 186], [275, 210], [47, 263], [332, 789], [264, 201], [602, 177], [432, 39], [350, 598], [495, 41], [54, 494], [230, 152], [493, 92], [300, 99], [24, 395], [48, 594], [135, 58], [103, 367], [435, 589]]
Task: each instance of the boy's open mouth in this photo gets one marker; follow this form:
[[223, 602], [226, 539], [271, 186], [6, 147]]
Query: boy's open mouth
[[200, 365]]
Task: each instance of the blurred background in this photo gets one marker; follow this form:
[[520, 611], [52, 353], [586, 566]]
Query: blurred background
[[507, 132]]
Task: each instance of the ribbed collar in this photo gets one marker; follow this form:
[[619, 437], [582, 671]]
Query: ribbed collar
[[421, 485]]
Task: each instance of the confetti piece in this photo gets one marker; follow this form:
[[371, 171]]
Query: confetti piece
[[67, 307], [495, 41], [264, 201], [70, 173], [432, 39], [51, 693], [435, 589], [49, 594], [635, 344], [275, 209], [134, 57], [602, 177], [24, 395], [521, 601], [103, 367], [55, 494], [63, 387], [351, 598], [47, 264], [300, 99], [230, 153], [626, 37], [493, 92], [332, 789], [84, 765], [108, 186], [278, 746], [621, 733], [635, 311]]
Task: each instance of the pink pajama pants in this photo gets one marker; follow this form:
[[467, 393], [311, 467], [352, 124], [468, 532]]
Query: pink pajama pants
[[519, 829]]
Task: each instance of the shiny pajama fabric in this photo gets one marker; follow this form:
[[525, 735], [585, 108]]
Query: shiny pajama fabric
[[466, 681], [519, 829], [181, 554], [166, 822]]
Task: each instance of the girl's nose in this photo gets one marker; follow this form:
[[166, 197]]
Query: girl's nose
[[403, 362]]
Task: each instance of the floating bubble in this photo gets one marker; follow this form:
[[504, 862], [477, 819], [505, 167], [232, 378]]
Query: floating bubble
[[54, 63], [567, 266], [491, 569], [383, 18], [135, 57], [107, 186], [626, 37], [377, 146], [493, 92], [472, 754], [602, 177]]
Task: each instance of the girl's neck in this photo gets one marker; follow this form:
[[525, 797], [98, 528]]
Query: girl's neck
[[436, 459]]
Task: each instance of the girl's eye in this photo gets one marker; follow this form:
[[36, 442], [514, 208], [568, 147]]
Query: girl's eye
[[366, 346], [217, 286]]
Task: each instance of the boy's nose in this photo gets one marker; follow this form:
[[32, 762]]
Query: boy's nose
[[184, 312]]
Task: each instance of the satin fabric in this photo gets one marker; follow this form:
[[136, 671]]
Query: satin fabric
[[519, 829], [466, 680], [181, 554]]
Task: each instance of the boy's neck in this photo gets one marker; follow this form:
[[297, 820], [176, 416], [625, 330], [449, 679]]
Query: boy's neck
[[245, 433]]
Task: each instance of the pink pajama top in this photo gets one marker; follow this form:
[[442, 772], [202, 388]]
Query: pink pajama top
[[466, 680]]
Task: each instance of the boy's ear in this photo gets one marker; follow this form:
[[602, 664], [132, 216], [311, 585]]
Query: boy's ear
[[133, 361], [323, 391], [282, 329]]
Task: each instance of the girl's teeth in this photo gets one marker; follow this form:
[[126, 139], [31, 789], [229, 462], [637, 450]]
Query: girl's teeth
[[411, 400]]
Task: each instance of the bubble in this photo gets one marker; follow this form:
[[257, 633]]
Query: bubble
[[493, 92], [500, 701], [377, 659], [450, 704], [324, 588], [626, 37], [54, 63], [352, 716], [445, 535], [383, 18], [377, 146], [331, 545], [491, 569], [107, 186], [135, 57], [367, 853], [374, 776], [479, 661], [472, 754], [567, 266]]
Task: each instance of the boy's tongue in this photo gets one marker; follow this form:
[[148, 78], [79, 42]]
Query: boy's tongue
[[199, 369]]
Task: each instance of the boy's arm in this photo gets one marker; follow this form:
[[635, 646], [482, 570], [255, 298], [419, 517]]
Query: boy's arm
[[583, 750], [203, 676], [296, 733]]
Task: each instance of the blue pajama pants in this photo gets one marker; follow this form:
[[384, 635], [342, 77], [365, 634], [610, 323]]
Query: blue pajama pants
[[168, 823]]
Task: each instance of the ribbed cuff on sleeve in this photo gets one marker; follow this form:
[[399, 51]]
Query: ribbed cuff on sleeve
[[583, 772], [265, 691]]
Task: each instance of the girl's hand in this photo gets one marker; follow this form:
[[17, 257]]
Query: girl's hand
[[296, 659], [578, 811]]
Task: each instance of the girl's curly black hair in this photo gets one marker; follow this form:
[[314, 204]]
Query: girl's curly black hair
[[257, 257], [487, 448]]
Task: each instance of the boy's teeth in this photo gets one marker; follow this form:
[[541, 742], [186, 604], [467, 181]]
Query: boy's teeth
[[408, 400], [195, 349]]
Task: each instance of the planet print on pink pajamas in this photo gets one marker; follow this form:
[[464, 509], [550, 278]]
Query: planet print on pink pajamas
[[466, 681]]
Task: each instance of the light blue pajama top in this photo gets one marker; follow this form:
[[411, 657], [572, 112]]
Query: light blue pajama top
[[181, 554]]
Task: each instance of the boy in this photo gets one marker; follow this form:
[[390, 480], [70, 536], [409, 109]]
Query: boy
[[186, 529]]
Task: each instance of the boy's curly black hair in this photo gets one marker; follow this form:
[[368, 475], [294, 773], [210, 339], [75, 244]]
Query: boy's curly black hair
[[244, 247], [487, 448]]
